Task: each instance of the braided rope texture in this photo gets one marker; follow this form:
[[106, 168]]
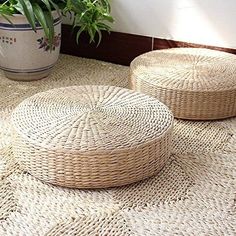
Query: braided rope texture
[[195, 83], [194, 193], [92, 136]]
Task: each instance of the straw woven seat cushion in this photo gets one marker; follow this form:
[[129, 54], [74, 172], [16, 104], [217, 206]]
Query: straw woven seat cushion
[[194, 83], [92, 136]]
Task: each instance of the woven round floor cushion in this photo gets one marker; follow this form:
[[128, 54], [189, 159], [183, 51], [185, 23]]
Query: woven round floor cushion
[[92, 136], [194, 83]]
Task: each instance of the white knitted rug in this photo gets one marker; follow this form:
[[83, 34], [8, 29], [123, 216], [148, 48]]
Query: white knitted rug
[[194, 194]]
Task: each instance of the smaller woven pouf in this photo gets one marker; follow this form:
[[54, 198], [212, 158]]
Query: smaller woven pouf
[[92, 136], [195, 83]]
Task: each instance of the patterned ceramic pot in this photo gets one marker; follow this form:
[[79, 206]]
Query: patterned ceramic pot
[[24, 54]]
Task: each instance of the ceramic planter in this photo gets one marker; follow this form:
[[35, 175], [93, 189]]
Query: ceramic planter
[[24, 54]]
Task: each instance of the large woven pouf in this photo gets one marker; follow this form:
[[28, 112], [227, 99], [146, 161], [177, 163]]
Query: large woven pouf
[[194, 83], [92, 136]]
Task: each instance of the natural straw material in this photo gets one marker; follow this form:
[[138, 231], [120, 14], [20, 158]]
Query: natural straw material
[[194, 83], [92, 136], [194, 193]]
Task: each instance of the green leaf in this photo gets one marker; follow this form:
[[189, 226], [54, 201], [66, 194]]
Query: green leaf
[[5, 12], [77, 6], [50, 25], [28, 12], [108, 17], [41, 18], [79, 33], [98, 31], [91, 16], [47, 4], [56, 7], [103, 26]]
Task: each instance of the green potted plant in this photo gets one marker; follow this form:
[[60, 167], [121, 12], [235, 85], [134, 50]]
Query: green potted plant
[[30, 32]]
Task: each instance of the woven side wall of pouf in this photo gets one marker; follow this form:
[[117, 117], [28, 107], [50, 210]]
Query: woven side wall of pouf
[[92, 136], [194, 83]]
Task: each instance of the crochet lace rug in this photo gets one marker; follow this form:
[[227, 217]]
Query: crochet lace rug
[[194, 194]]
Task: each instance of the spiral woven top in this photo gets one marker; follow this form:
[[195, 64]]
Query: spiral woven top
[[91, 118], [190, 69]]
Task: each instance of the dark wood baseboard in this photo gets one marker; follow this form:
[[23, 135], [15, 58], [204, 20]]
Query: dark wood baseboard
[[115, 47], [166, 43], [120, 48]]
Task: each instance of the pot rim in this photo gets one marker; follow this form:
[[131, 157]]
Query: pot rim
[[20, 18], [54, 12]]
